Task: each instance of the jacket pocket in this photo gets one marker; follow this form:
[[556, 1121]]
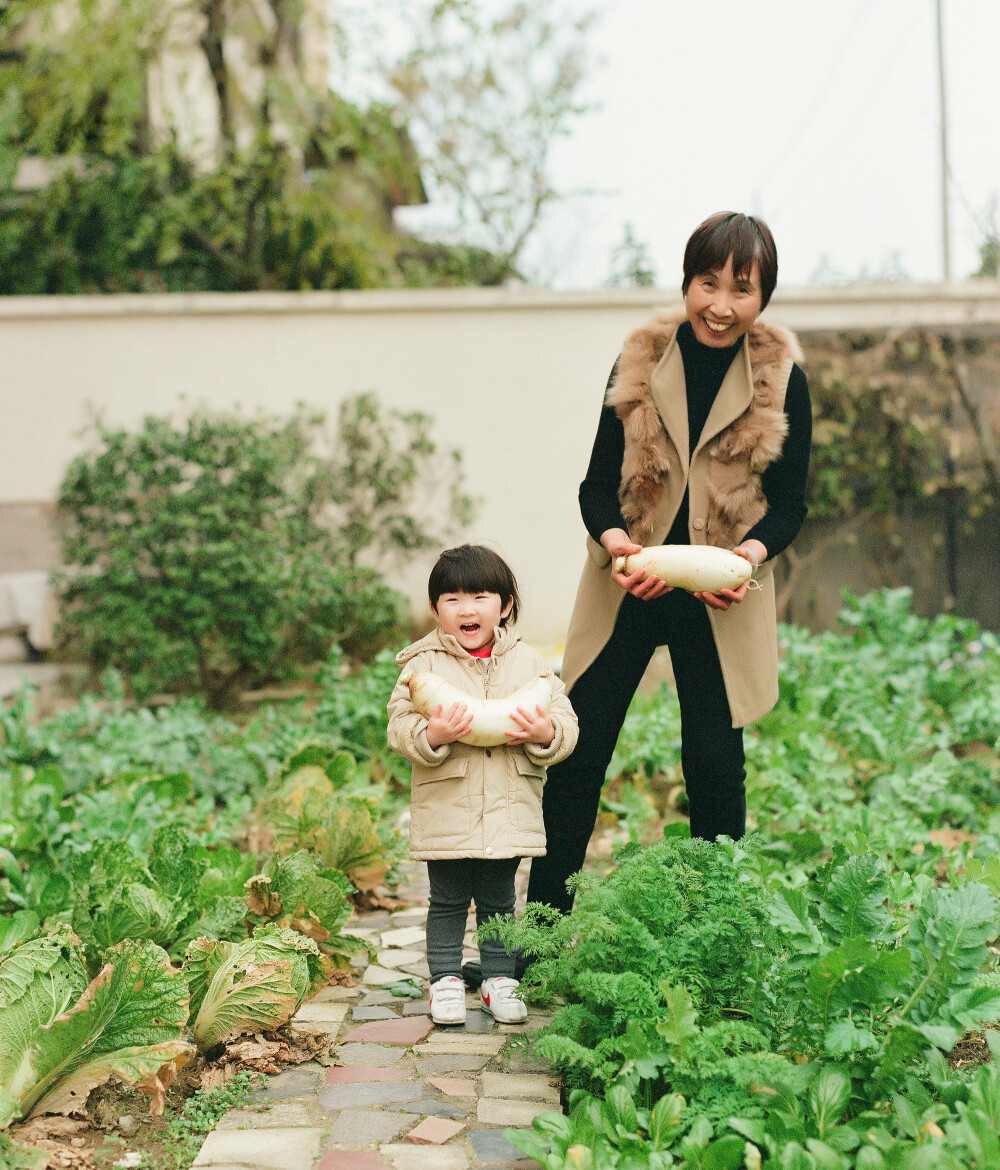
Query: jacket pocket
[[528, 803], [598, 553], [440, 800]]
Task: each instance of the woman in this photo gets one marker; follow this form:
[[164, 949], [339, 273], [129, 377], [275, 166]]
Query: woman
[[703, 439]]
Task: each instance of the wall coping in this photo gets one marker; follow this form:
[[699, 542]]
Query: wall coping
[[857, 305]]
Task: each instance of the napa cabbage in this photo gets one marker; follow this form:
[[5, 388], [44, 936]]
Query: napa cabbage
[[62, 1036]]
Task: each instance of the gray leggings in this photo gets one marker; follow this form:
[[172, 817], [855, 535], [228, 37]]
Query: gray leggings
[[455, 884]]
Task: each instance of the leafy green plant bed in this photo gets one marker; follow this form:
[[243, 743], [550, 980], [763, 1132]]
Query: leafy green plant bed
[[889, 727], [818, 995], [707, 1005], [809, 997]]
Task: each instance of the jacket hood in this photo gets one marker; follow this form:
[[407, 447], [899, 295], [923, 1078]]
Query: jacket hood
[[505, 638]]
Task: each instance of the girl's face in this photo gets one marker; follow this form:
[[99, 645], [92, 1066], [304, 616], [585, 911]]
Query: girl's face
[[471, 618], [721, 307]]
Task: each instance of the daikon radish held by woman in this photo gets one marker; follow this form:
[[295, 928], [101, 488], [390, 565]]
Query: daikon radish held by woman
[[491, 718], [703, 441], [695, 567]]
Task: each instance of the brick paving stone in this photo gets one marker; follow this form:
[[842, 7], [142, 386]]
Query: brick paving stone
[[419, 970], [351, 1160], [233, 1166], [432, 1065], [377, 997], [336, 994], [282, 1114], [405, 936], [363, 1014], [441, 1043], [293, 1082], [491, 1147], [346, 1074], [477, 1022], [431, 1107], [534, 1023], [435, 1131], [417, 1007], [523, 1064], [504, 1111], [393, 958], [425, 1157], [267, 1149], [410, 914], [519, 1029], [454, 1086], [362, 1095], [365, 1127], [371, 1055], [524, 1086], [321, 1013], [376, 976], [374, 920], [401, 1030]]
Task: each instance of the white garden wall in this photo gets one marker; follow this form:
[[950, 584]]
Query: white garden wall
[[513, 377]]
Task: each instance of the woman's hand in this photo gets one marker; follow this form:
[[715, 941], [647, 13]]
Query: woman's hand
[[448, 728], [537, 728], [725, 597], [617, 543]]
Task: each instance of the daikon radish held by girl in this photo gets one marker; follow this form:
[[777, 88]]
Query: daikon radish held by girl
[[491, 718], [695, 567]]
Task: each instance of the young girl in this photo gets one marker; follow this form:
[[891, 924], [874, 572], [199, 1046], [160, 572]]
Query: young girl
[[475, 812]]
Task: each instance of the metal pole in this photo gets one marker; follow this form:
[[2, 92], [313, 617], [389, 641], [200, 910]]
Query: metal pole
[[945, 242]]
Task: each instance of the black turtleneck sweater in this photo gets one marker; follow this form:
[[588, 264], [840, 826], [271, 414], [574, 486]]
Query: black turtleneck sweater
[[784, 482]]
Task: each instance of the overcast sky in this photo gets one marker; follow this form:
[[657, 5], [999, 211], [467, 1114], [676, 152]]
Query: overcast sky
[[820, 116]]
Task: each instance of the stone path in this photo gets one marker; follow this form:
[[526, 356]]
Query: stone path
[[407, 1095]]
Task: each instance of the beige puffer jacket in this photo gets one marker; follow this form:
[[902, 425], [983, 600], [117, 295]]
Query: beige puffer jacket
[[467, 801]]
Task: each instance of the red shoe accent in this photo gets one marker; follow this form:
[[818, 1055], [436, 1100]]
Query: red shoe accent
[[486, 999]]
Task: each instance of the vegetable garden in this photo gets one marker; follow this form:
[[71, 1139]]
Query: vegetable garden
[[819, 994]]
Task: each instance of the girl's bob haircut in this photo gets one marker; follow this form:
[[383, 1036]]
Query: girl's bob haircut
[[473, 568], [731, 233]]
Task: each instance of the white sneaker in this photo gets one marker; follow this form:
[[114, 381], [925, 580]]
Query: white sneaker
[[501, 1000], [448, 1001]]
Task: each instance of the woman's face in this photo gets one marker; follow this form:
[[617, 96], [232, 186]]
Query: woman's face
[[722, 307]]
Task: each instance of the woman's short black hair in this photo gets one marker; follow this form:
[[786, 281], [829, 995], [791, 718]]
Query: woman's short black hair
[[473, 568], [731, 233]]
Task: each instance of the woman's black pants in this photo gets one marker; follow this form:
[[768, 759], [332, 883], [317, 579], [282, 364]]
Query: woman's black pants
[[711, 748]]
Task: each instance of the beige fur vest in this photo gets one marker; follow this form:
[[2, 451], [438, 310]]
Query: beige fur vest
[[742, 436], [739, 454]]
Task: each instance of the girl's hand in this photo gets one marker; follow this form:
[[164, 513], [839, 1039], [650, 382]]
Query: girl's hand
[[447, 728], [617, 543], [537, 728], [725, 597]]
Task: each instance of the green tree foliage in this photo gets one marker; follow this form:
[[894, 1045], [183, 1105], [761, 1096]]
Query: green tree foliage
[[154, 224], [223, 552], [298, 193], [631, 266], [989, 247], [489, 89]]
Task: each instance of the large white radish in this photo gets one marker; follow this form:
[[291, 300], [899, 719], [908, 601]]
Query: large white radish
[[490, 717], [696, 567]]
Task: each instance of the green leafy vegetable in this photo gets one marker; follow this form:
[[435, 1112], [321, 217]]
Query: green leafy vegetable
[[60, 1037], [254, 985]]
